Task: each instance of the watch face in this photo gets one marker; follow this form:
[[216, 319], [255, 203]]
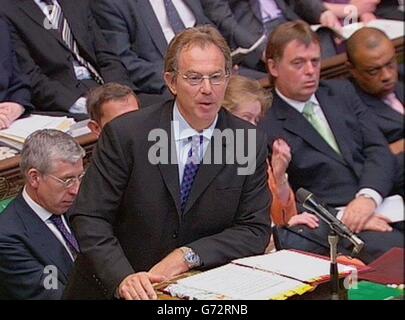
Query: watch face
[[192, 259]]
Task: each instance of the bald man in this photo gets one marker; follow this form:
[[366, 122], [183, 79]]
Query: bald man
[[373, 66]]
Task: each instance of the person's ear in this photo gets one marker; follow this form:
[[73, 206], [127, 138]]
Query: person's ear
[[94, 127], [170, 80], [272, 67], [33, 178]]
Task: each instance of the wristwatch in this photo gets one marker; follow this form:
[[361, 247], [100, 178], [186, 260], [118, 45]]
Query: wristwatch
[[190, 257]]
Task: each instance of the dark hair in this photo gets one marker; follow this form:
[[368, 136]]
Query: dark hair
[[198, 36], [105, 93], [286, 33]]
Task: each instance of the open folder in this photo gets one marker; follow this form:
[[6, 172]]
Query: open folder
[[275, 276]]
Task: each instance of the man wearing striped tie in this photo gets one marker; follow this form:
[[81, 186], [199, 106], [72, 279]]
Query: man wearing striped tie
[[61, 48], [37, 247]]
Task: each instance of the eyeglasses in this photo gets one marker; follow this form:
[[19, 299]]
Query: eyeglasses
[[196, 79], [68, 182]]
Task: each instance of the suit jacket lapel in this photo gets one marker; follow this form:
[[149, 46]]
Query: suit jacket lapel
[[40, 234], [170, 171], [152, 24], [32, 10], [379, 107], [295, 122], [330, 107], [208, 170]]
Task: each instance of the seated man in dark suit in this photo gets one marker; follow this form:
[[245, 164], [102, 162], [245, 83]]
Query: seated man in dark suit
[[37, 248], [154, 203], [373, 65], [15, 93], [61, 49], [107, 102], [140, 31], [244, 22], [337, 151]]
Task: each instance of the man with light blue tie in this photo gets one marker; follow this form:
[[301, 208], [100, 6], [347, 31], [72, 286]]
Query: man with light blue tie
[[170, 194], [37, 246], [338, 153]]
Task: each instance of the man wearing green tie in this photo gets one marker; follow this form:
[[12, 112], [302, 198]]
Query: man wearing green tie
[[338, 153]]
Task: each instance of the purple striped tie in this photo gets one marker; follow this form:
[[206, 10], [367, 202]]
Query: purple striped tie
[[190, 169], [69, 238]]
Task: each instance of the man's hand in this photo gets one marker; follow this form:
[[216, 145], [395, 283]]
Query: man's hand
[[138, 286], [364, 6], [304, 218], [358, 212], [367, 17], [330, 20], [280, 159], [9, 111], [378, 223], [171, 266]]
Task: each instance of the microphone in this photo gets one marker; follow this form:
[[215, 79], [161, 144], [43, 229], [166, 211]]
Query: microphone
[[309, 202]]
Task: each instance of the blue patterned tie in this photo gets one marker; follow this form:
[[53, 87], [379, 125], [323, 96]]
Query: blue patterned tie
[[173, 16], [190, 169], [69, 238]]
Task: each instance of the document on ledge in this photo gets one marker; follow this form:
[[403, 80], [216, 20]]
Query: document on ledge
[[236, 282], [393, 28], [293, 264], [274, 276]]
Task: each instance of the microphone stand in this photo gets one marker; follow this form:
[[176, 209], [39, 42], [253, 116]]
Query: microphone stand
[[333, 240]]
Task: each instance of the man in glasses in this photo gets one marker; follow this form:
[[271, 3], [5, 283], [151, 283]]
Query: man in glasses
[[140, 221], [37, 247]]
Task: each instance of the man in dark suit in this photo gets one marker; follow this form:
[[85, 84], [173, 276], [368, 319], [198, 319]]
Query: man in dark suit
[[373, 66], [60, 47], [165, 206], [244, 22], [337, 151], [15, 93], [37, 248]]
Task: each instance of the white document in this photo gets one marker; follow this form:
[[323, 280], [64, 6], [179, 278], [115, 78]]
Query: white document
[[393, 28], [22, 128], [236, 282], [293, 264]]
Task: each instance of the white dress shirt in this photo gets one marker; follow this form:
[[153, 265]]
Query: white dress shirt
[[44, 215], [182, 131], [299, 106], [186, 15]]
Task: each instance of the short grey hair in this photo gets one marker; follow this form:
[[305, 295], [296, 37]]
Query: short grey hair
[[44, 147]]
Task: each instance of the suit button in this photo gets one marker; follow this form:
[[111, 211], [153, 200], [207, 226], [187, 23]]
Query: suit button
[[175, 235]]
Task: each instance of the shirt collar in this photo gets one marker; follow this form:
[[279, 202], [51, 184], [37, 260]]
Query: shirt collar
[[40, 211], [183, 131], [297, 105]]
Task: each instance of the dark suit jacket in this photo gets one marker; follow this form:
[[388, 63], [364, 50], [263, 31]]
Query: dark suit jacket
[[241, 23], [13, 84], [46, 59], [365, 161], [390, 122], [134, 33], [132, 219], [27, 246]]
